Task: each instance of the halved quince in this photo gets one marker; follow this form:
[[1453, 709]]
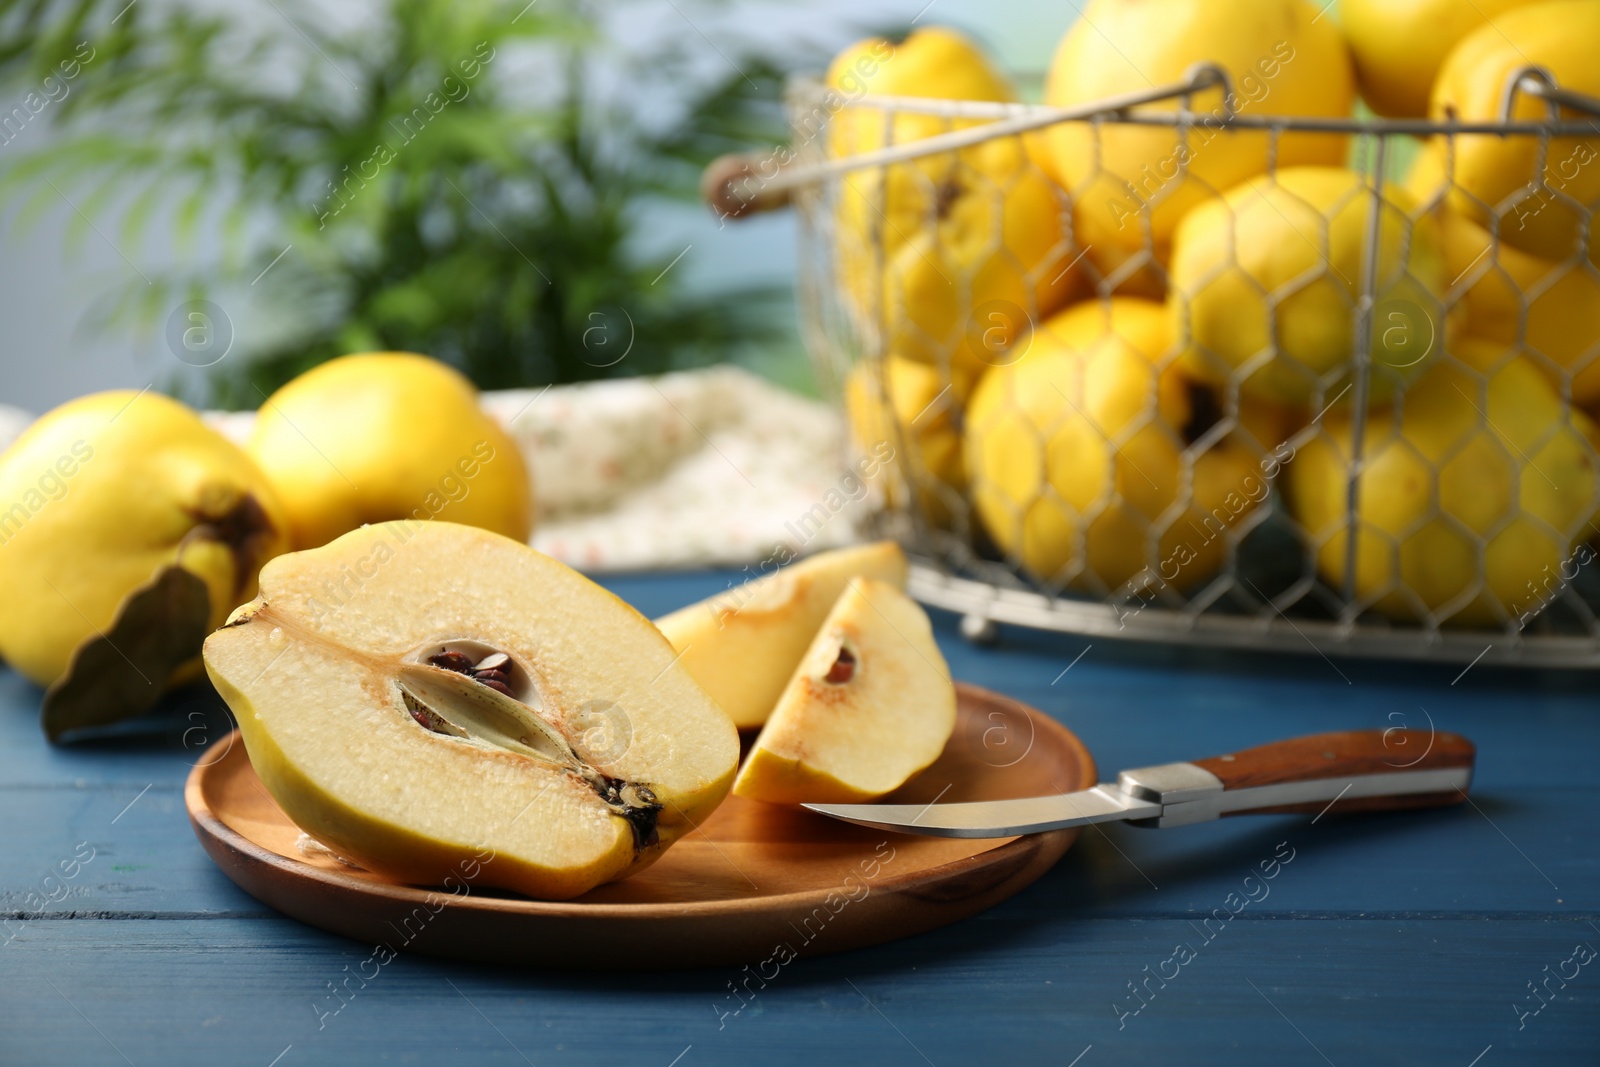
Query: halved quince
[[869, 706], [743, 644], [417, 694]]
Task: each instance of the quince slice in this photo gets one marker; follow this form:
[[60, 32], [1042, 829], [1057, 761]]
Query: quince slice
[[870, 705], [743, 644], [421, 695]]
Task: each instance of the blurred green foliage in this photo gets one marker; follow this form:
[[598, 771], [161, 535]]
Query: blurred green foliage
[[465, 178]]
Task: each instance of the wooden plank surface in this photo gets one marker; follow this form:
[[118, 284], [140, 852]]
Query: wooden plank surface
[[1386, 939], [995, 990]]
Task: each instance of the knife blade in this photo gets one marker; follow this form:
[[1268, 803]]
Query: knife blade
[[1357, 770]]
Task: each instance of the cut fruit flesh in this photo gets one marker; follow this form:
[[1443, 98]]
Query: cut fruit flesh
[[870, 705], [368, 684], [743, 645]]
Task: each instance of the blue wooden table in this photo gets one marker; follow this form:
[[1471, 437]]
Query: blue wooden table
[[1461, 937]]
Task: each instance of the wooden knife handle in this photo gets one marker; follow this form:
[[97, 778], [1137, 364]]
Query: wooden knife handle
[[1347, 755]]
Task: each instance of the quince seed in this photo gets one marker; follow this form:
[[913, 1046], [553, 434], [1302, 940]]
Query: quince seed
[[452, 661], [843, 669], [496, 684], [494, 661]]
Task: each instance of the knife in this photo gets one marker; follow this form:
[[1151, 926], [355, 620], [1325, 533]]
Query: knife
[[1355, 770]]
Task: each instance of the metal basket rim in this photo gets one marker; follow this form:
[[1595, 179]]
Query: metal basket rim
[[984, 603], [1000, 119], [1110, 111]]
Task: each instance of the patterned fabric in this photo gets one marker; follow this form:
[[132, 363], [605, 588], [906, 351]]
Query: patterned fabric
[[704, 467], [701, 468]]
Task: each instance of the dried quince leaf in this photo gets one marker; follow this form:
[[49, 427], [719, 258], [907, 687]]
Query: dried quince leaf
[[159, 627]]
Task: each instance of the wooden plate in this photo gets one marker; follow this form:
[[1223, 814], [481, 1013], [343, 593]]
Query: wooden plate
[[754, 883]]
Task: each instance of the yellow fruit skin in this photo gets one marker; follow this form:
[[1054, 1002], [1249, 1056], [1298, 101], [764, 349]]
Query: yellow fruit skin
[[775, 779], [1562, 300], [388, 435], [1078, 454], [971, 242], [1399, 45], [1283, 60], [1559, 36], [1463, 461], [1265, 239], [918, 414], [98, 495], [934, 62]]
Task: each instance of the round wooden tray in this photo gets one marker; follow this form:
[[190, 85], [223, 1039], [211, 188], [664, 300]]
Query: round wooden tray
[[755, 883]]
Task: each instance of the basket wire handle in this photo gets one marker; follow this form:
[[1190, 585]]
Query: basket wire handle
[[1537, 82], [734, 189]]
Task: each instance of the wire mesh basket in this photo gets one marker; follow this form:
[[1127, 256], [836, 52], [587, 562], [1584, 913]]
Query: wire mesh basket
[[1337, 406]]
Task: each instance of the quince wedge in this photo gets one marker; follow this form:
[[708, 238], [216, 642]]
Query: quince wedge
[[129, 529], [869, 706], [1541, 193], [743, 644], [472, 703], [1471, 492], [388, 435]]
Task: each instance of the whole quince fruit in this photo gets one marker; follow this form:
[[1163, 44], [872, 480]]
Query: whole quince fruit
[[1096, 462], [1265, 282], [909, 408], [1399, 45], [130, 529], [972, 246], [1470, 491], [1539, 210], [1132, 184], [388, 435], [1508, 295], [932, 62]]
